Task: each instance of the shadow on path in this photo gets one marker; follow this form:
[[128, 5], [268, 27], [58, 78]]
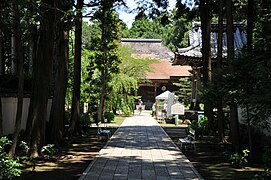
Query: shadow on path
[[140, 149]]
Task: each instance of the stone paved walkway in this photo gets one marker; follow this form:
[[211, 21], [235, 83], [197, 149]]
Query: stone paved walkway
[[140, 149]]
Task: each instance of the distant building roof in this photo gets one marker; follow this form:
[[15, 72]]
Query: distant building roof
[[154, 48], [193, 52]]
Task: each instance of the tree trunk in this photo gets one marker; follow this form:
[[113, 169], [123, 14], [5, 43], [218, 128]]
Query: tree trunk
[[1, 118], [75, 127], [249, 133], [220, 34], [250, 14], [220, 113], [102, 97], [233, 106], [106, 58], [235, 136], [2, 72], [205, 15], [2, 62], [32, 44], [42, 74], [20, 59], [13, 42], [57, 116]]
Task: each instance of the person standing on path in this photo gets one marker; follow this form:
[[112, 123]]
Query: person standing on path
[[140, 106]]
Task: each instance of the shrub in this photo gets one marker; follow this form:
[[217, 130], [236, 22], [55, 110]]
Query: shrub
[[4, 142], [85, 120], [23, 148], [109, 116], [9, 169], [200, 127], [49, 151], [238, 160]]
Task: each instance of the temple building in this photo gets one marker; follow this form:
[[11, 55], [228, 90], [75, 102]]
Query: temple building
[[192, 56], [162, 74]]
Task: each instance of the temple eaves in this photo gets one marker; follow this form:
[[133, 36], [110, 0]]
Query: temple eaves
[[192, 55]]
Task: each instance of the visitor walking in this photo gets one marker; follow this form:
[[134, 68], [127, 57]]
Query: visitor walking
[[140, 106]]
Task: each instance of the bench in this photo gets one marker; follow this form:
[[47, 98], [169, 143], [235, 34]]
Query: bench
[[188, 140], [103, 132]]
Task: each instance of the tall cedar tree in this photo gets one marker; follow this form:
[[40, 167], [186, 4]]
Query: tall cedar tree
[[75, 127], [41, 77], [2, 71], [250, 4], [107, 57], [33, 36], [1, 119], [57, 116], [233, 106], [20, 59], [205, 16], [220, 113], [14, 60], [2, 66], [2, 61]]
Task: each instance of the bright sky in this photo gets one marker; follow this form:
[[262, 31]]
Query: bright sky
[[129, 18]]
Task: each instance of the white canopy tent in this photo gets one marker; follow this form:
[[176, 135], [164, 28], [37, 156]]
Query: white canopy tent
[[164, 102], [164, 96]]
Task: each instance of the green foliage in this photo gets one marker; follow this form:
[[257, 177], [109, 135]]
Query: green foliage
[[85, 120], [238, 160], [194, 125], [171, 27], [177, 33], [122, 97], [185, 91], [203, 121], [200, 127], [23, 148], [109, 116], [4, 141], [224, 86], [106, 56], [86, 73], [134, 67], [125, 84], [49, 151], [9, 168], [143, 28]]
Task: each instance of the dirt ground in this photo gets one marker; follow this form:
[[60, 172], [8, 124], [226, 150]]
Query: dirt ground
[[71, 162], [211, 161]]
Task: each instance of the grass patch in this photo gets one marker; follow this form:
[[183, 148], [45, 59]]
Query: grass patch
[[118, 120]]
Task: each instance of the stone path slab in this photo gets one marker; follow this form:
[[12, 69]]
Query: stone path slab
[[140, 149]]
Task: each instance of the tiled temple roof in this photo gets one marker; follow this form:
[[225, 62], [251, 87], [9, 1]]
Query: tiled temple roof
[[154, 48], [184, 56]]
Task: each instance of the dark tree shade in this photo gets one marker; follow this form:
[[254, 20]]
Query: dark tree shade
[[75, 127], [42, 75]]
